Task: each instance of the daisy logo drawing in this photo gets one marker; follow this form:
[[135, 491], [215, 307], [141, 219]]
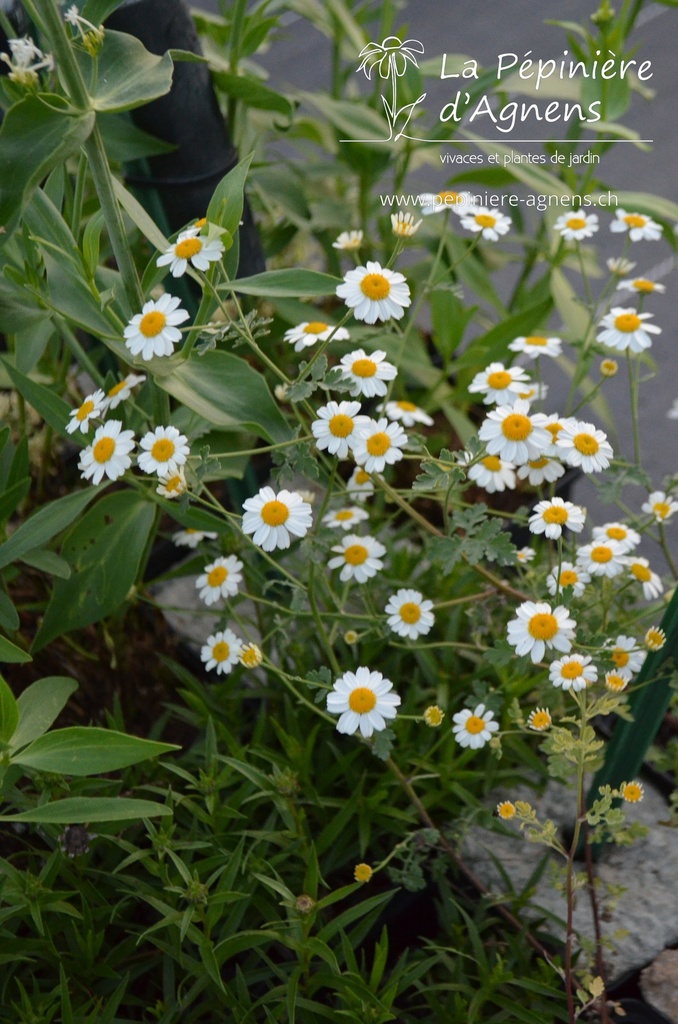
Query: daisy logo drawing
[[389, 60]]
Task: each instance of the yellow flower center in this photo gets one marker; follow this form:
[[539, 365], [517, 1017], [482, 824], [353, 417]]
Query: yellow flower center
[[103, 449], [474, 725], [315, 327], [449, 198], [608, 367], [641, 284], [571, 670], [378, 444], [506, 810], [540, 720], [410, 612], [492, 462], [661, 509], [655, 639], [340, 425], [616, 532], [615, 682], [344, 515], [364, 368], [221, 651], [516, 427], [200, 223], [586, 444], [355, 554], [543, 626], [568, 578], [635, 220], [174, 483], [84, 411], [499, 380], [163, 449], [117, 388], [217, 576], [536, 339], [538, 463], [485, 220], [527, 394], [554, 429], [375, 287], [187, 247], [275, 513], [641, 572], [152, 323], [627, 322], [362, 477], [576, 223], [251, 656], [555, 514], [433, 715], [620, 657], [407, 406], [362, 699], [362, 872], [601, 553], [632, 792]]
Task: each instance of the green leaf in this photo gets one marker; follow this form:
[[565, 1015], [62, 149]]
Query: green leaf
[[39, 705], [227, 202], [84, 810], [355, 121], [494, 344], [285, 283], [44, 524], [227, 392], [34, 138], [87, 750], [573, 312], [10, 654], [9, 712], [49, 562], [127, 74], [104, 550], [12, 497], [9, 616], [125, 142], [139, 216], [54, 411], [253, 93]]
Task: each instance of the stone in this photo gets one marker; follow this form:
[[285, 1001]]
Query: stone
[[659, 984]]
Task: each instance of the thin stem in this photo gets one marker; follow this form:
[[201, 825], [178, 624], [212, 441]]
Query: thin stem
[[633, 388]]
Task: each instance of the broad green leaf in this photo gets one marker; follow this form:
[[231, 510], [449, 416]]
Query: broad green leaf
[[12, 497], [228, 199], [50, 406], [127, 74], [87, 750], [30, 344], [9, 616], [9, 712], [34, 138], [227, 392], [84, 810], [253, 93], [39, 705], [139, 216], [355, 121], [19, 308], [125, 142], [575, 315], [10, 654], [104, 551], [494, 344], [286, 283], [44, 524], [46, 223], [71, 296], [49, 562]]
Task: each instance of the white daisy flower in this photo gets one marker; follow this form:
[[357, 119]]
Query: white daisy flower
[[406, 413], [221, 651], [345, 518], [172, 485], [360, 486], [619, 266], [582, 444], [363, 700], [271, 518], [251, 655], [409, 615], [525, 555], [498, 384], [493, 474], [554, 424], [190, 538], [154, 331], [576, 225], [367, 373], [655, 638], [358, 557], [190, 247], [379, 444], [348, 241], [539, 471], [109, 453], [575, 672], [639, 227], [512, 433], [336, 428], [535, 345], [403, 225], [639, 568], [307, 333], [616, 682], [489, 223], [626, 654], [570, 576], [219, 579], [641, 285], [165, 451], [539, 719], [551, 516], [437, 202], [660, 505], [474, 728], [536, 392], [121, 391], [91, 407], [627, 538], [537, 627], [626, 328], [375, 293], [602, 558]]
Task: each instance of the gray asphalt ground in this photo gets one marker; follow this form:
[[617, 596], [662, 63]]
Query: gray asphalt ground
[[300, 58]]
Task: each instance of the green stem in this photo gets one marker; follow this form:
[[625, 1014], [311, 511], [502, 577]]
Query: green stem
[[633, 388]]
